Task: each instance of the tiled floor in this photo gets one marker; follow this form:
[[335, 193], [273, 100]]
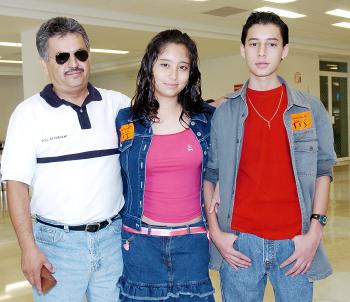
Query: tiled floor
[[337, 241]]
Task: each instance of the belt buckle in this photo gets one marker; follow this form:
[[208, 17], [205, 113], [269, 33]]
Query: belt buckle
[[92, 227]]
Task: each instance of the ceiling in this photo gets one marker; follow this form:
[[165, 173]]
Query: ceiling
[[130, 24]]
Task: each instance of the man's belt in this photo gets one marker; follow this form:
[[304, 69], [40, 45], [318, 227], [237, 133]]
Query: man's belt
[[90, 227]]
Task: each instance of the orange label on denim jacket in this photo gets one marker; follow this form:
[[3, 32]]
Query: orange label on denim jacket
[[301, 121], [126, 132]]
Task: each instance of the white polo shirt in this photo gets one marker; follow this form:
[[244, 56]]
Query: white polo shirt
[[68, 155]]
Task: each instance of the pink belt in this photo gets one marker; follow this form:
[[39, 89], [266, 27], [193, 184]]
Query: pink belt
[[166, 232]]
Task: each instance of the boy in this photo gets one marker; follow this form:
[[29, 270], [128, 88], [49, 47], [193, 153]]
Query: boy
[[272, 152]]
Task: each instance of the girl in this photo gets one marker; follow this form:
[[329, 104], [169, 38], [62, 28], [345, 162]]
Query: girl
[[164, 139]]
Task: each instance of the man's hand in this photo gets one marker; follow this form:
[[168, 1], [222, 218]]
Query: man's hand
[[32, 258], [224, 242], [305, 250], [32, 261]]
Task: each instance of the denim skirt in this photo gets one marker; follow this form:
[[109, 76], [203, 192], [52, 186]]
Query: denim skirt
[[159, 268]]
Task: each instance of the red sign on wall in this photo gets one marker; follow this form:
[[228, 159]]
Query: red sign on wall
[[237, 86]]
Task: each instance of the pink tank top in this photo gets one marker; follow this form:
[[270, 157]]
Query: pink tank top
[[173, 171]]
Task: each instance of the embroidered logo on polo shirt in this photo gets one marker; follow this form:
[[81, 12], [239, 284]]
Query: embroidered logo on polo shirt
[[44, 140], [301, 121], [126, 132]]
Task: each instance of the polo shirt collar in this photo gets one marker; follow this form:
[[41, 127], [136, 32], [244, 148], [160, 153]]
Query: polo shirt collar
[[53, 100]]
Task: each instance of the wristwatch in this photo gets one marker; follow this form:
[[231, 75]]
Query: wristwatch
[[322, 219]]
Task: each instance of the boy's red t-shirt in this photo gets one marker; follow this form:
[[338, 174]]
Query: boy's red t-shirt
[[266, 201]]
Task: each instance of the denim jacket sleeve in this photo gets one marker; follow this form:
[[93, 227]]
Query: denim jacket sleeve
[[212, 170], [123, 117], [325, 154]]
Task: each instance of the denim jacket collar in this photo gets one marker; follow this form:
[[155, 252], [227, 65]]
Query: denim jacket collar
[[293, 95], [201, 117]]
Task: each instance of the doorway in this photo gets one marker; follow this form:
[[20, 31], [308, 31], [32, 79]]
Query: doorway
[[334, 93]]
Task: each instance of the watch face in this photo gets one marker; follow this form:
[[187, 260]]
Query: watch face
[[323, 220]]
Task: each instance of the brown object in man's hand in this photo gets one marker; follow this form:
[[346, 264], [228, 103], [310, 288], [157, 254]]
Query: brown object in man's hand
[[47, 280]]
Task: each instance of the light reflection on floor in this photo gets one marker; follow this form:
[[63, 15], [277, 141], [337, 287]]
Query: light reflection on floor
[[336, 288]]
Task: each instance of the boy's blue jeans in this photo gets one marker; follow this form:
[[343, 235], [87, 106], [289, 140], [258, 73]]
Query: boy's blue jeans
[[248, 284]]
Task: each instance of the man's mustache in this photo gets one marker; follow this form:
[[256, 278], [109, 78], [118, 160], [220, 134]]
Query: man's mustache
[[75, 69]]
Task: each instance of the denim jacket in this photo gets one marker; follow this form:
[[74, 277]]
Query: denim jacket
[[312, 156], [135, 138]]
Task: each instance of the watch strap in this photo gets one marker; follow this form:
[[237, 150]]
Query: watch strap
[[322, 219]]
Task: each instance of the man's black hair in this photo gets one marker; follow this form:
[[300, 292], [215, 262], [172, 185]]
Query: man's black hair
[[265, 18]]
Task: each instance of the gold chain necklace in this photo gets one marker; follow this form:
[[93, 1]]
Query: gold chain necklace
[[258, 113]]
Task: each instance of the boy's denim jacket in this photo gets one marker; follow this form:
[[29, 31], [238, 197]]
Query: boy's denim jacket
[[135, 138], [312, 155]]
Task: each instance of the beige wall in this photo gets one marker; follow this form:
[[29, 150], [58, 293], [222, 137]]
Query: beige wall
[[220, 74], [124, 83], [308, 67], [11, 88]]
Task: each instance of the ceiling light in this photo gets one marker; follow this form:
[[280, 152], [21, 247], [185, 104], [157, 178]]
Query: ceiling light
[[342, 24], [11, 62], [199, 0], [112, 51], [280, 12], [11, 44], [339, 13], [280, 1]]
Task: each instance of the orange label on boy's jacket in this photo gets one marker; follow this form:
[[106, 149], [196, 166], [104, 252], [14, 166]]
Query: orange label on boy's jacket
[[126, 132], [301, 121]]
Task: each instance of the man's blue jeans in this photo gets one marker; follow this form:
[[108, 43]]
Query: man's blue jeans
[[85, 264], [248, 284]]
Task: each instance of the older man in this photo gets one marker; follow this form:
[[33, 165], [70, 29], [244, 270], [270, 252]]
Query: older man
[[62, 144]]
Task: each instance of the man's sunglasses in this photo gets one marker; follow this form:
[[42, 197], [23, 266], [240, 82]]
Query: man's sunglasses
[[61, 58]]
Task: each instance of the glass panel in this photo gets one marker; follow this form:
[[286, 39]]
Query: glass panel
[[324, 91], [340, 113], [333, 66]]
